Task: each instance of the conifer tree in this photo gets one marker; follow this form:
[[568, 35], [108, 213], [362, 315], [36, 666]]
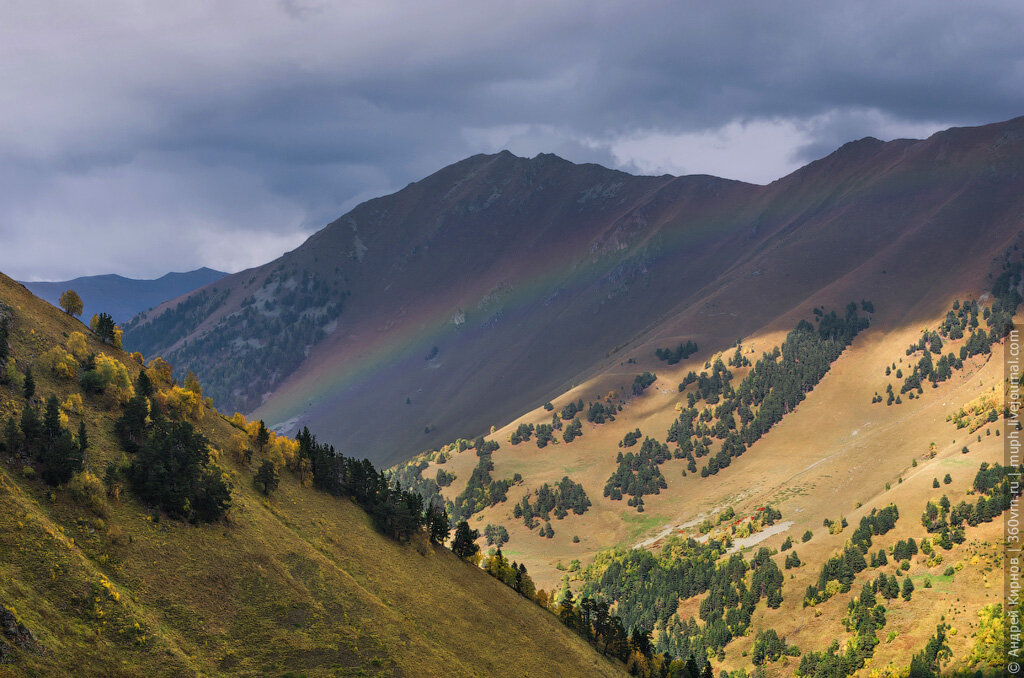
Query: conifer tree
[[464, 545], [5, 350], [908, 588], [438, 524], [83, 437], [143, 385], [262, 436], [266, 477], [30, 384], [12, 435]]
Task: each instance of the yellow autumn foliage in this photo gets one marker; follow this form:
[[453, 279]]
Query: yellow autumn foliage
[[182, 402], [115, 376], [78, 345], [62, 364], [281, 450], [238, 446], [990, 647], [160, 372], [73, 404], [88, 490]]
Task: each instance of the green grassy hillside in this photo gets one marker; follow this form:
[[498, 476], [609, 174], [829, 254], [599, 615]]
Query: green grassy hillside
[[299, 583]]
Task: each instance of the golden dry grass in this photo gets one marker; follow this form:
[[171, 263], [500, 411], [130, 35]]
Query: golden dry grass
[[836, 452]]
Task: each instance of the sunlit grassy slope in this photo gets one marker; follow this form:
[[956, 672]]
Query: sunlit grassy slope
[[298, 584], [836, 455]]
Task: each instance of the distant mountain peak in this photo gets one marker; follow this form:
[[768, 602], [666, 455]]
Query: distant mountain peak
[[124, 297]]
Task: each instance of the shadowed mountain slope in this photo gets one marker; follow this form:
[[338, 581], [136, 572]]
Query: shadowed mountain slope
[[499, 282]]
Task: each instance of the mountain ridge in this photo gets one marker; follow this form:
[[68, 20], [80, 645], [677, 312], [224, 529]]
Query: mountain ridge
[[123, 297], [569, 260]]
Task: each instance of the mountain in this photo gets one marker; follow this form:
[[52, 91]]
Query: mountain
[[123, 297], [764, 423], [499, 282], [96, 582]]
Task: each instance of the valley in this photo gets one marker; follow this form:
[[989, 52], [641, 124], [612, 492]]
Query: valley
[[711, 382]]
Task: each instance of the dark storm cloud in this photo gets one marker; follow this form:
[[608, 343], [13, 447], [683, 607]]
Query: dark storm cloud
[[137, 139]]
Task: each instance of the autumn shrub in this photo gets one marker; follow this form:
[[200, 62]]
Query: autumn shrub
[[88, 490], [78, 345]]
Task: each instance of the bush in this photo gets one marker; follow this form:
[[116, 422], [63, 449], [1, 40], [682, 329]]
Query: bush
[[88, 490], [109, 375], [60, 363], [73, 404], [12, 376], [78, 346]]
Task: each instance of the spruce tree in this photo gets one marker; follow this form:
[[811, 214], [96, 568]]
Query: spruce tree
[[4, 349], [143, 385], [12, 435], [266, 477], [30, 384], [262, 436], [438, 525], [908, 588], [464, 545], [51, 418], [83, 437]]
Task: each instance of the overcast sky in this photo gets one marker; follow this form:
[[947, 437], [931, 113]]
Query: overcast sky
[[138, 138]]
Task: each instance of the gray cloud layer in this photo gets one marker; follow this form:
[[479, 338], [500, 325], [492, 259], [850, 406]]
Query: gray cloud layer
[[140, 139]]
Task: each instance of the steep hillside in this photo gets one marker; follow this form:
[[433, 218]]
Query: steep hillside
[[124, 297], [294, 583], [847, 450], [499, 282]]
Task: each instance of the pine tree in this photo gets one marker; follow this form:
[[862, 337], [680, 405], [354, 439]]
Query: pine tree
[[438, 525], [267, 478], [262, 436], [12, 435], [908, 588], [31, 427], [51, 418], [464, 545], [143, 385], [83, 437], [5, 350], [30, 384]]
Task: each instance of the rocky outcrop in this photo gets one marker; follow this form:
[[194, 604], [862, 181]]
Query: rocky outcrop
[[14, 634]]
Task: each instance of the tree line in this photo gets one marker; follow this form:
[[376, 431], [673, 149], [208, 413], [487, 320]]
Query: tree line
[[776, 384]]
